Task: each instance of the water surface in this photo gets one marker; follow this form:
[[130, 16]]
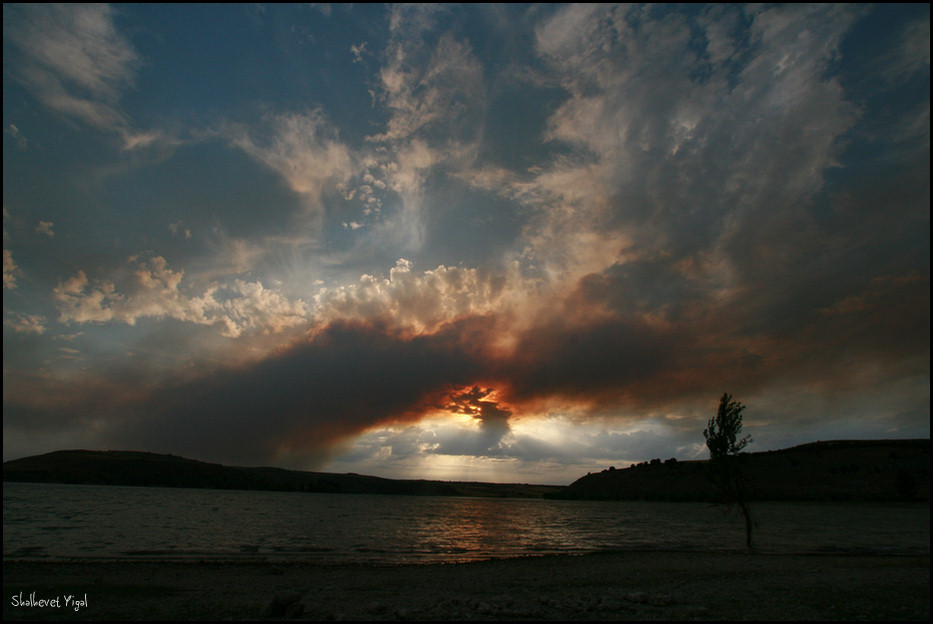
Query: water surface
[[53, 522]]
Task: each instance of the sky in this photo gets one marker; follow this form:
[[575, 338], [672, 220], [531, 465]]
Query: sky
[[511, 243]]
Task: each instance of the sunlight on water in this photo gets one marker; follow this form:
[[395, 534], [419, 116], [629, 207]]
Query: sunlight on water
[[49, 521]]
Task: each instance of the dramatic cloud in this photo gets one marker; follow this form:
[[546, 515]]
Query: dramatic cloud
[[417, 302], [510, 243], [45, 228], [74, 60], [14, 132], [434, 94], [153, 290], [25, 323], [9, 270], [302, 401], [478, 404], [304, 149]]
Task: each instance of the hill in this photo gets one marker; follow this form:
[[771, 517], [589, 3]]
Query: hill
[[844, 470], [152, 469]]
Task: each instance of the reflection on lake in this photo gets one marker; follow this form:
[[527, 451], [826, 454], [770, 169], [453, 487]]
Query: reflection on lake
[[50, 521]]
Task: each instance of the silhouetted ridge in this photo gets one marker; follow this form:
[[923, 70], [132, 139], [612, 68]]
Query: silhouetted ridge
[[842, 470], [152, 469]]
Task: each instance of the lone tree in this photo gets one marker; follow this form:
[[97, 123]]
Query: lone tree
[[722, 439]]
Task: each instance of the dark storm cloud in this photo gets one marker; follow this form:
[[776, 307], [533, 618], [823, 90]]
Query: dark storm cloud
[[307, 398], [302, 402], [609, 358], [603, 347], [299, 404], [763, 333]]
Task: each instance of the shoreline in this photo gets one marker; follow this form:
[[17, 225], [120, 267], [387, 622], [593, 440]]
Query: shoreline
[[643, 585]]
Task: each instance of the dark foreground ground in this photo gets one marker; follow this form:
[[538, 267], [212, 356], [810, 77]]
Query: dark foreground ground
[[609, 586]]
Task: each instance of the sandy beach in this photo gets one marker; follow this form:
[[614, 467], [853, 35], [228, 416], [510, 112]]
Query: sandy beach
[[644, 585]]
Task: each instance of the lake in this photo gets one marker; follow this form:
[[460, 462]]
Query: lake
[[55, 522]]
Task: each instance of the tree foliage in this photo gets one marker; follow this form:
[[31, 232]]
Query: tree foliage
[[722, 439], [722, 431]]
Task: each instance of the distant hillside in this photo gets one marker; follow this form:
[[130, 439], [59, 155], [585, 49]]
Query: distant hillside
[[880, 470], [872, 470], [151, 469]]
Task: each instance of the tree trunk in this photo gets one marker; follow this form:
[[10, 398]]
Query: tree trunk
[[747, 513]]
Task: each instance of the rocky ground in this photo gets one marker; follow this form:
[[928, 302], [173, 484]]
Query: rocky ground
[[609, 586]]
